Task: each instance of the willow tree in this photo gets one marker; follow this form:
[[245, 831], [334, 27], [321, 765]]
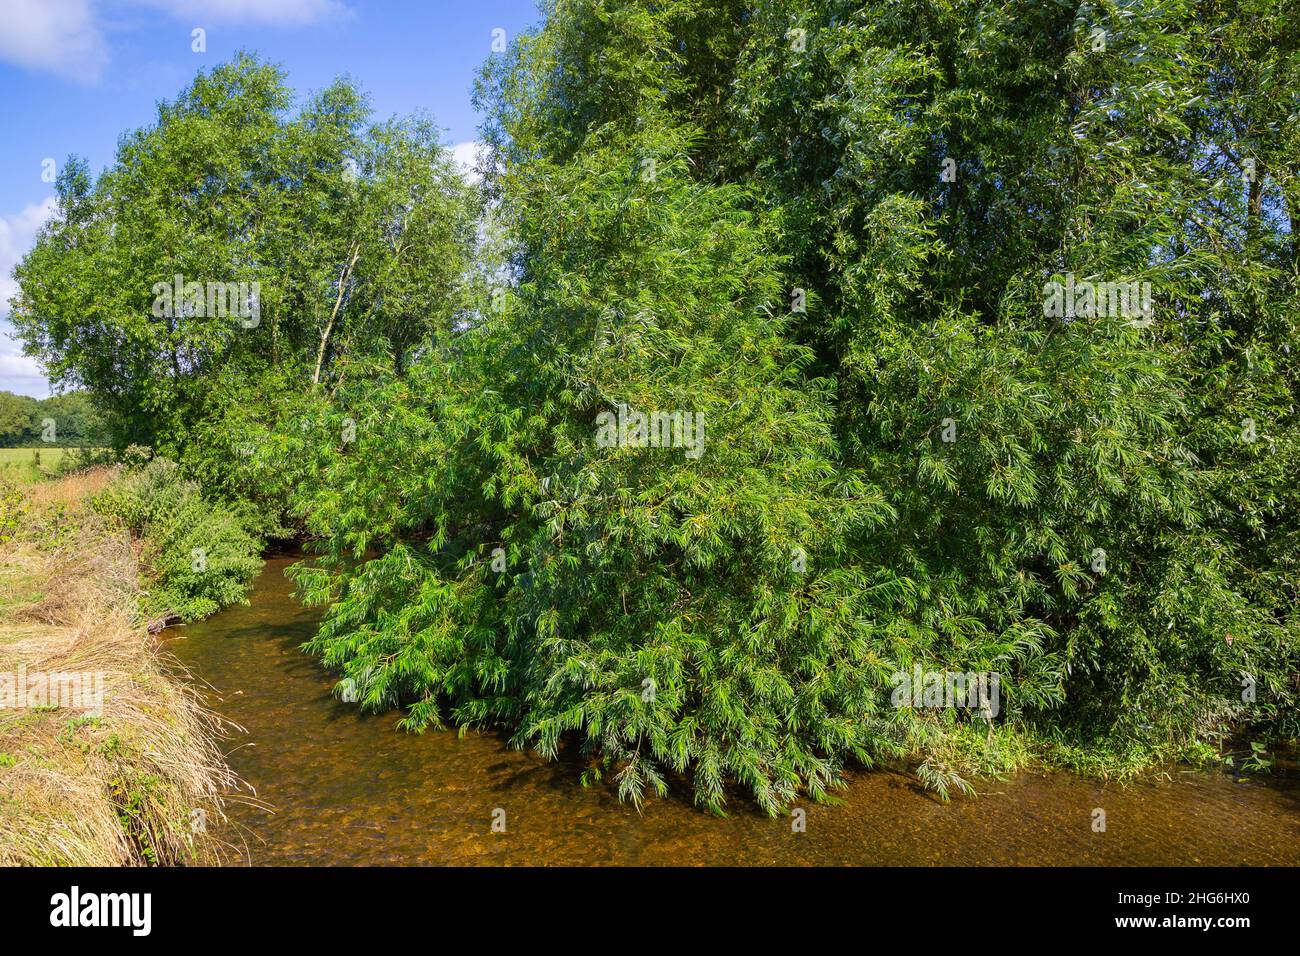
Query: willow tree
[[1108, 479], [669, 607], [944, 165], [1093, 497], [346, 237], [671, 592]]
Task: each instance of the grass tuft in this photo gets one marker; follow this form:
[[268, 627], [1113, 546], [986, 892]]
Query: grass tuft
[[141, 782]]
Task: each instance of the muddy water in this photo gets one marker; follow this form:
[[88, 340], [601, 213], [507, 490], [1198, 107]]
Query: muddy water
[[343, 788]]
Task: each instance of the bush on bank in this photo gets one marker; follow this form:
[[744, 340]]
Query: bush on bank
[[198, 555]]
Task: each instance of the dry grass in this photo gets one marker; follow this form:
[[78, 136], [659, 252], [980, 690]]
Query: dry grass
[[71, 490], [120, 788]]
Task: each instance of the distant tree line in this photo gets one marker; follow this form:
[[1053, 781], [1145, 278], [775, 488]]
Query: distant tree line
[[70, 420]]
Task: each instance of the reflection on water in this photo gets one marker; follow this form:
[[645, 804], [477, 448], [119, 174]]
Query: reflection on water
[[348, 788]]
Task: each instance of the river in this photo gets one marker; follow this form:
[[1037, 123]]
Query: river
[[334, 786]]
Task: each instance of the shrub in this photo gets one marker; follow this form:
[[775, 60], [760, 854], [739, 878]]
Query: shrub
[[198, 555], [13, 505]]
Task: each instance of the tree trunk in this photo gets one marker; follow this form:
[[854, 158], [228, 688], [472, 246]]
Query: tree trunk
[[338, 303]]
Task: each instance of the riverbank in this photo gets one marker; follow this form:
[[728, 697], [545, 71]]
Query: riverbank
[[108, 756]]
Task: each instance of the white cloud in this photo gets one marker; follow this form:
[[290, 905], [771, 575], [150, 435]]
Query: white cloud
[[466, 156], [17, 233], [66, 37], [18, 373], [278, 12], [57, 36]]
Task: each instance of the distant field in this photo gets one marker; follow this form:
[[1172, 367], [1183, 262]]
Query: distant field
[[22, 459]]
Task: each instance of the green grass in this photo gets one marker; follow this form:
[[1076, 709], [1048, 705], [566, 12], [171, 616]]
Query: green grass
[[23, 456], [21, 462]]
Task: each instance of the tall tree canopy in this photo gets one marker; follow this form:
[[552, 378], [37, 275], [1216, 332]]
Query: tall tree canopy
[[356, 233]]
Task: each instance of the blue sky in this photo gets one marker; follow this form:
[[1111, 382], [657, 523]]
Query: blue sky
[[76, 74]]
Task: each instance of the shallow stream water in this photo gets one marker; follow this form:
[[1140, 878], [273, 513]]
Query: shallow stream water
[[335, 786]]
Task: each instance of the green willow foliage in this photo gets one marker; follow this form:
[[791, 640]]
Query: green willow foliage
[[642, 597], [670, 178], [828, 230], [356, 231], [1117, 160]]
